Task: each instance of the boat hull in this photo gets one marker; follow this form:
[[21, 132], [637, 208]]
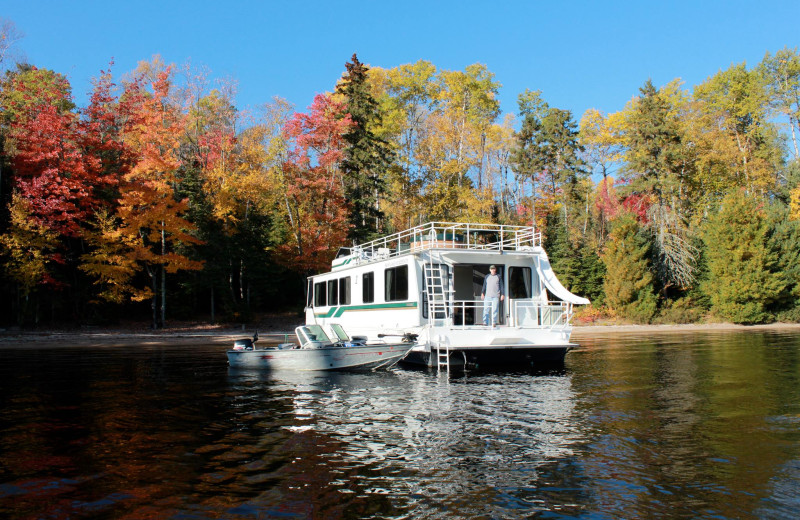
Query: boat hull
[[506, 356], [325, 358]]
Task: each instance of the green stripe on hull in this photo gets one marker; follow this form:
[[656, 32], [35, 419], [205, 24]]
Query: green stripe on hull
[[336, 312]]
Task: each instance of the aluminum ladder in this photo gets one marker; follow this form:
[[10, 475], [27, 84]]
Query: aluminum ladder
[[443, 355], [438, 302]]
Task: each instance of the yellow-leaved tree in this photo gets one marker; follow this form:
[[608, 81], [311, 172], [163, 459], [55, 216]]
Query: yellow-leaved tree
[[29, 248], [795, 203]]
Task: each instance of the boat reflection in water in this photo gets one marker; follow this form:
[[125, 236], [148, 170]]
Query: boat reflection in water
[[405, 442], [694, 425]]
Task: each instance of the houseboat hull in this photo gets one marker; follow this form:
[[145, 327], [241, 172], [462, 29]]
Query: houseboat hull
[[480, 356]]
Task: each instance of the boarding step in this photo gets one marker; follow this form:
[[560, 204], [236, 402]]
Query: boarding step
[[443, 357]]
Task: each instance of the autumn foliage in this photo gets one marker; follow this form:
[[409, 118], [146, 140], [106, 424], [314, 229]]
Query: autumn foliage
[[316, 210], [161, 190]]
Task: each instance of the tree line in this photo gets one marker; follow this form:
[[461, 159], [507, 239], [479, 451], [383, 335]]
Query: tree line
[[161, 199]]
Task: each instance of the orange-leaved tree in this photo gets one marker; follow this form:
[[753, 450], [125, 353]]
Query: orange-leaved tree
[[149, 229]]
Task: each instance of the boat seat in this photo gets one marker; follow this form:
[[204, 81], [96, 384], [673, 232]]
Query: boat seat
[[344, 339]]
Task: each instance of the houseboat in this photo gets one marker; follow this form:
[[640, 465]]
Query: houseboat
[[427, 282]]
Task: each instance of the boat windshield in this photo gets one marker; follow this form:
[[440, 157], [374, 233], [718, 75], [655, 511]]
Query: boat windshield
[[315, 333], [339, 331]]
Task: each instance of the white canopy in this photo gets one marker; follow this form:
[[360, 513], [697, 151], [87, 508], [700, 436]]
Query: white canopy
[[553, 285]]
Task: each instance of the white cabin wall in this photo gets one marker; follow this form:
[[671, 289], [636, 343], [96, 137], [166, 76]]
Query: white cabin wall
[[377, 320]]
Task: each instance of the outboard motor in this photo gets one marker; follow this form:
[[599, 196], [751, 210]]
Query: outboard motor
[[245, 344]]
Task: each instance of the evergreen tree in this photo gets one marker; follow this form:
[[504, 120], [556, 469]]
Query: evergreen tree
[[547, 151], [657, 168], [654, 146], [593, 272], [560, 251], [628, 283], [743, 270], [367, 157], [532, 109], [785, 241], [576, 261], [558, 156]]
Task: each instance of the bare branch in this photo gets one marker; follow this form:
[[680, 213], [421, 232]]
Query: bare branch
[[9, 35], [676, 257]]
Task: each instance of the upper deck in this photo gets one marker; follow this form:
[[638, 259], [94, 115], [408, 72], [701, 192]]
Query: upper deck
[[440, 235]]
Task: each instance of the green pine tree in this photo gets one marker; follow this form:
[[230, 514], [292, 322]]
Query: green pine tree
[[367, 157], [785, 241], [658, 168], [744, 276], [628, 283], [574, 261]]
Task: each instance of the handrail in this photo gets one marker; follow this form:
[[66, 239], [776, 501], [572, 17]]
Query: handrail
[[448, 235], [527, 314]]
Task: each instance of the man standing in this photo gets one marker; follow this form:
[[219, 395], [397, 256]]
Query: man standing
[[492, 295]]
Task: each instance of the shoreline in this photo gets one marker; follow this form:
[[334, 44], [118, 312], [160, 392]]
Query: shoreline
[[583, 330], [225, 336]]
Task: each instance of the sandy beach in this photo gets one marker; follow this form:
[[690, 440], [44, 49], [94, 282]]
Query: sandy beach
[[276, 331], [582, 331]]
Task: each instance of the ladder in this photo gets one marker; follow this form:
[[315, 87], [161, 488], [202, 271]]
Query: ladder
[[438, 301], [443, 355], [436, 292]]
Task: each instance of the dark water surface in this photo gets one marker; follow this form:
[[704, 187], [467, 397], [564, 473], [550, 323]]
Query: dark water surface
[[678, 425]]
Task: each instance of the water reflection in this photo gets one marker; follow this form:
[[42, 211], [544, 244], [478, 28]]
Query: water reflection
[[428, 444], [691, 425], [683, 423]]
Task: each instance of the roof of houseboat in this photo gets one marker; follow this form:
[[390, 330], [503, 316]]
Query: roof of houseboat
[[465, 236]]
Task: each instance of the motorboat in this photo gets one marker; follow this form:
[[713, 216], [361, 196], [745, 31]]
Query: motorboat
[[316, 350]]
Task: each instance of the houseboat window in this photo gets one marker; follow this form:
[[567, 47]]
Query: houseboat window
[[519, 282], [310, 294], [368, 288], [344, 291], [396, 283], [333, 292], [320, 295]]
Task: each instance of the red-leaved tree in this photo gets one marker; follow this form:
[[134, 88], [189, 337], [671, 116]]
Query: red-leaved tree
[[48, 160], [315, 208]]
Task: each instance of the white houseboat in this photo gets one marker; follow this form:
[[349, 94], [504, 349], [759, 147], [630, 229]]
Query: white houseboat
[[427, 281]]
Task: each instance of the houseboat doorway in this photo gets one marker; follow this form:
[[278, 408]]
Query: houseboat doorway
[[467, 285]]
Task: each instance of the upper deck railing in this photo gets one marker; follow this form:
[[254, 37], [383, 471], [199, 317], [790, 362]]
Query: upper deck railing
[[443, 235]]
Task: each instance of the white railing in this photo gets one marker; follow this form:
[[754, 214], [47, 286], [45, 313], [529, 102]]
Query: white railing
[[526, 314], [536, 314], [448, 235]]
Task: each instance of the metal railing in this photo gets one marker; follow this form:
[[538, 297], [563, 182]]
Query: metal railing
[[533, 314], [526, 314], [448, 235]]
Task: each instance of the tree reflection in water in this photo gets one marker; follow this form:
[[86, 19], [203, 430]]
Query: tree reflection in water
[[687, 425]]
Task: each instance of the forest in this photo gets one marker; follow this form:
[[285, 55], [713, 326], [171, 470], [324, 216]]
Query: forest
[[161, 200]]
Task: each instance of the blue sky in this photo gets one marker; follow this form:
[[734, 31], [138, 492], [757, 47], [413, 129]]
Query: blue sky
[[581, 54]]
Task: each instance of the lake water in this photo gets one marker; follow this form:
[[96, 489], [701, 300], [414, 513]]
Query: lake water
[[678, 425]]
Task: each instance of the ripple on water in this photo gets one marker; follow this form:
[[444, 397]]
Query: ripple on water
[[674, 426]]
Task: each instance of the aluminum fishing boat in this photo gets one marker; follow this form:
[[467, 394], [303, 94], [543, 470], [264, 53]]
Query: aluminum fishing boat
[[315, 350]]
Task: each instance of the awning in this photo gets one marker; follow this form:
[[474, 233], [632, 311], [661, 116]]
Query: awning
[[553, 285]]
